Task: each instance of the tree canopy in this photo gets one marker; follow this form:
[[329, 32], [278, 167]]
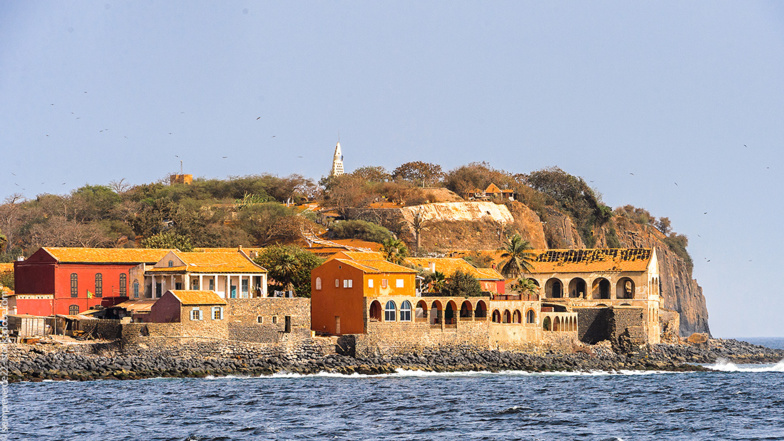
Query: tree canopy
[[289, 266]]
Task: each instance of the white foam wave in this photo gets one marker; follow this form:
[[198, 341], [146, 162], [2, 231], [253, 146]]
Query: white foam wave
[[723, 365]]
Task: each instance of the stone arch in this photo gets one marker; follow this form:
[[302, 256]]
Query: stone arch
[[481, 310], [546, 324], [450, 313], [496, 316], [420, 313], [516, 316], [553, 289], [530, 316], [375, 311], [601, 305], [624, 289], [436, 313], [557, 324], [600, 289], [577, 288], [507, 317], [466, 311]]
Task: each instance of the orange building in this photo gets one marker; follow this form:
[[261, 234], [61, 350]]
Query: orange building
[[340, 288]]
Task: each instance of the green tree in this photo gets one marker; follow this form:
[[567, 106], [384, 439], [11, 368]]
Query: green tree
[[289, 266], [394, 250], [359, 229], [419, 173], [519, 255], [462, 285], [435, 281], [524, 285], [3, 242], [168, 239]]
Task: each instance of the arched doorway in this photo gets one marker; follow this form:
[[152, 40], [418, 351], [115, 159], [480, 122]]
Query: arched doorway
[[600, 289], [553, 289], [481, 310], [375, 311], [624, 289], [517, 317], [496, 316], [530, 317], [436, 313], [450, 313], [421, 311], [466, 311], [546, 324], [577, 288]]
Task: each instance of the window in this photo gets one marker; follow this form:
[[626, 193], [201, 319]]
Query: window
[[384, 283], [73, 310], [389, 311], [98, 285], [171, 263], [399, 283], [245, 284], [123, 285], [370, 283], [217, 313], [318, 283], [196, 314], [195, 285], [337, 283], [405, 311], [136, 289], [74, 285], [212, 284], [348, 283], [260, 319], [274, 319], [530, 316]]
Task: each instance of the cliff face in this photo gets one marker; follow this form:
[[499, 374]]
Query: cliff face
[[679, 291]]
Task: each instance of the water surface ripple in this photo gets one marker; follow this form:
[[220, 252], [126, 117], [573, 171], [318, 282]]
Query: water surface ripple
[[734, 403]]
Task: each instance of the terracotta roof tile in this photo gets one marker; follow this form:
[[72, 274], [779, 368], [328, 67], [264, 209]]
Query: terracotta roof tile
[[376, 266], [6, 267], [107, 255], [356, 255], [213, 262], [449, 265], [592, 260], [191, 297]]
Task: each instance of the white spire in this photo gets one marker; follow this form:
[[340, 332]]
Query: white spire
[[337, 161]]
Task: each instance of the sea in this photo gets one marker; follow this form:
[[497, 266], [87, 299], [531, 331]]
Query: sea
[[731, 402]]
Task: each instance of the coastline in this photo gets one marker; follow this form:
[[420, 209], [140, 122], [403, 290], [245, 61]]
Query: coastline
[[108, 361]]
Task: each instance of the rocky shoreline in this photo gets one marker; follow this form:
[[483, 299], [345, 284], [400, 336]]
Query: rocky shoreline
[[110, 361]]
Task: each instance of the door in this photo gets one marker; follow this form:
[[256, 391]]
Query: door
[[337, 324]]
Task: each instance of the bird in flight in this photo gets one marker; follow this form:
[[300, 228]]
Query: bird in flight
[[225, 157], [676, 183], [631, 174], [258, 118]]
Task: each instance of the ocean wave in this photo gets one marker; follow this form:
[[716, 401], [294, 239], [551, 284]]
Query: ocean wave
[[723, 365]]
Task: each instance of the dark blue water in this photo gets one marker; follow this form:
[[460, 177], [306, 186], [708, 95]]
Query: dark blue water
[[733, 403]]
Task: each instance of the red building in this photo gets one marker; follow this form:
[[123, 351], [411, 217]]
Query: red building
[[73, 280]]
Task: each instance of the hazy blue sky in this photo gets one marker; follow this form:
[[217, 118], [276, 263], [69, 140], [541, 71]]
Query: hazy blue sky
[[686, 92]]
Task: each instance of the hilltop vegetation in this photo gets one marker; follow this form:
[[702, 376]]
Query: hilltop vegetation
[[261, 210]]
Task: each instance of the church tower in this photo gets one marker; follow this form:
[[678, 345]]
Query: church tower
[[337, 162]]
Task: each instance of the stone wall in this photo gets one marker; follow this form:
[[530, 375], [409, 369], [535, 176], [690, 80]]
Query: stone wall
[[669, 323], [593, 324], [403, 337], [207, 327], [265, 319], [104, 329], [628, 322]]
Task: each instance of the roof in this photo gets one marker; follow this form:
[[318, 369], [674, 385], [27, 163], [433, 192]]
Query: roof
[[376, 266], [492, 188], [591, 260], [212, 262], [191, 297], [356, 255], [106, 255], [137, 306], [6, 267], [449, 265]]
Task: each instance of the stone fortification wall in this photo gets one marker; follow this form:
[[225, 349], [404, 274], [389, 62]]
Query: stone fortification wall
[[268, 320], [389, 338], [104, 329], [627, 325], [593, 324]]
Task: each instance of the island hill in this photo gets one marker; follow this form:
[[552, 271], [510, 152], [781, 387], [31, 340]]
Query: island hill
[[416, 259]]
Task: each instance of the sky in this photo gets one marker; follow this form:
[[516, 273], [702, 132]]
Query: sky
[[675, 107]]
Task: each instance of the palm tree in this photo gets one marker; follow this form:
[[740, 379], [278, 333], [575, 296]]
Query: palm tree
[[525, 286], [518, 251], [435, 281], [395, 250]]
